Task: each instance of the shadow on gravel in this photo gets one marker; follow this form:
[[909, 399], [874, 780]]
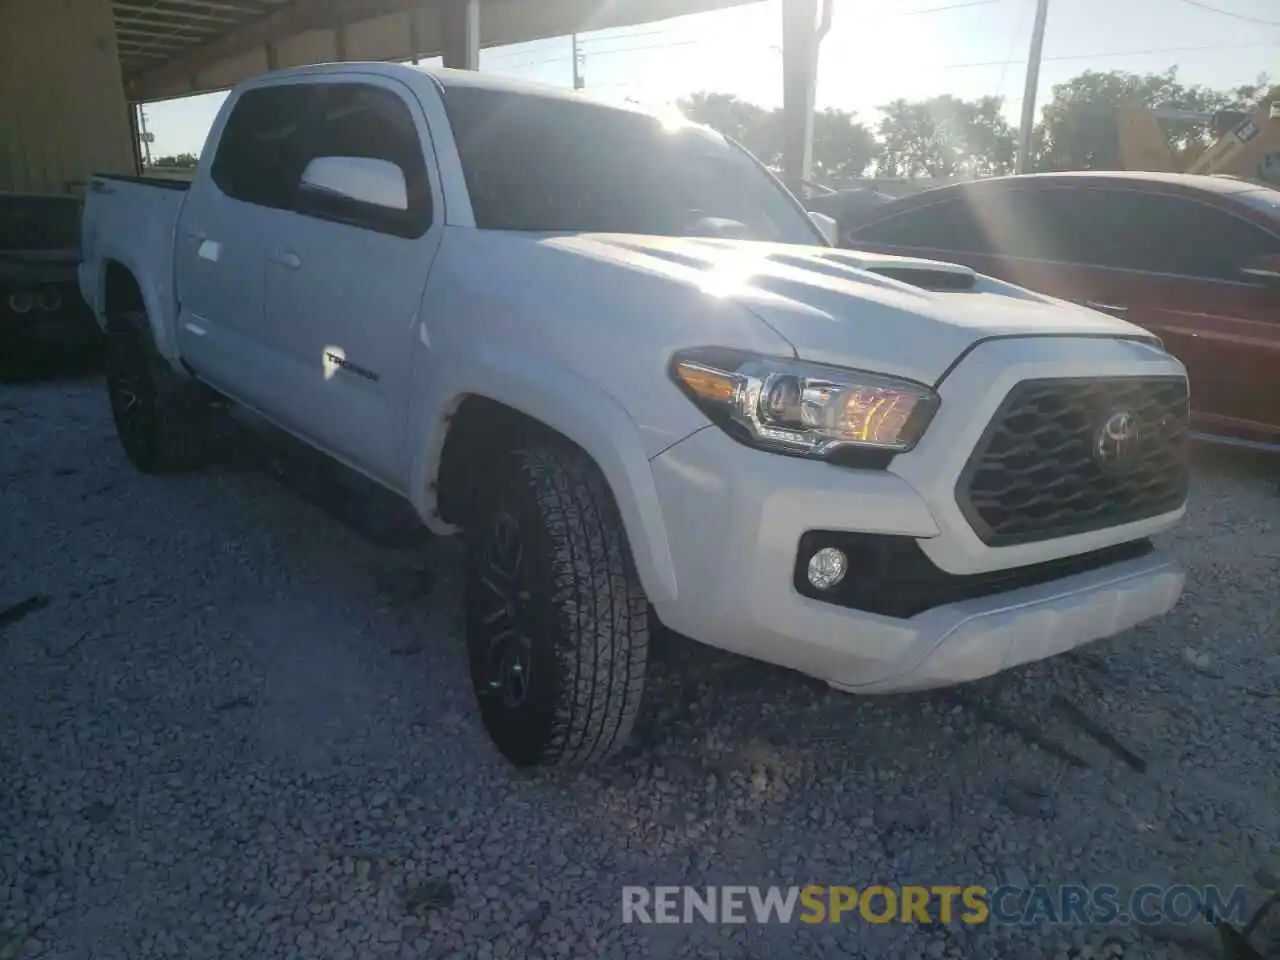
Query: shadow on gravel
[[367, 509], [49, 365], [1219, 461]]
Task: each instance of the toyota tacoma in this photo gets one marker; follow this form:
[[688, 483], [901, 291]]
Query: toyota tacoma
[[615, 354]]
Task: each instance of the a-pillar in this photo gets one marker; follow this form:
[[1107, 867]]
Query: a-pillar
[[804, 23], [460, 33]]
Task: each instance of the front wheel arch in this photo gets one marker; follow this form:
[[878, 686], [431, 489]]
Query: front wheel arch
[[479, 422]]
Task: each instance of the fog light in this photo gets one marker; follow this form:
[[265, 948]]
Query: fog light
[[827, 567]]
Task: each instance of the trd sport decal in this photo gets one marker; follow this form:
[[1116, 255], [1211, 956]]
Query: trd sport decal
[[346, 364]]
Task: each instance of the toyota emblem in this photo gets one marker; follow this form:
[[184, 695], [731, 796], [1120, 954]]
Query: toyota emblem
[[1116, 440]]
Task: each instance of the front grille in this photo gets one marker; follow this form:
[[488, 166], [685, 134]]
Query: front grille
[[892, 576], [1044, 468]]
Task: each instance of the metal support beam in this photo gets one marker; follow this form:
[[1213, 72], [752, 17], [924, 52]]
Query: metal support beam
[[133, 11], [804, 24], [460, 33]]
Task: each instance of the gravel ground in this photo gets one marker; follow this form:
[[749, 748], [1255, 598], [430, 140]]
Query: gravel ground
[[241, 726]]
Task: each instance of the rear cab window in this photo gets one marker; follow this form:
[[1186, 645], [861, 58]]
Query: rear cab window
[[261, 152]]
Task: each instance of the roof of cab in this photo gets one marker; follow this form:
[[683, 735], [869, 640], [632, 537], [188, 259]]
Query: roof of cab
[[444, 78], [1187, 181]]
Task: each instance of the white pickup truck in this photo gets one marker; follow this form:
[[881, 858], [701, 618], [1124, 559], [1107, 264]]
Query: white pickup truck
[[616, 353]]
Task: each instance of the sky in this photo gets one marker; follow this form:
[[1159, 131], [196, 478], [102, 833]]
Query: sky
[[877, 51]]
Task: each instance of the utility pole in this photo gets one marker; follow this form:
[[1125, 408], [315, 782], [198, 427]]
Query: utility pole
[[1029, 91], [579, 60], [146, 136]]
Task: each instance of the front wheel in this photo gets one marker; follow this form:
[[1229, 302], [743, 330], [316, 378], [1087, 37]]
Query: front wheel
[[557, 622]]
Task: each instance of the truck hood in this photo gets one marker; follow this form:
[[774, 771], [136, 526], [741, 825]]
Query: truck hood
[[903, 316]]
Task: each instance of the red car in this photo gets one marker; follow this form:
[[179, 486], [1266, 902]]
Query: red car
[[1194, 259]]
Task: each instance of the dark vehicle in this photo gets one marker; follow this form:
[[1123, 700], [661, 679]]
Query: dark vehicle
[[42, 314], [1194, 259], [843, 206]]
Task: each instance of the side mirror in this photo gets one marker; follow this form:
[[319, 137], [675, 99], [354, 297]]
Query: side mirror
[[379, 183], [830, 229]]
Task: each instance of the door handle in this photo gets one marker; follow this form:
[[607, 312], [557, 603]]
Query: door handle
[[196, 235], [288, 259], [1106, 307]]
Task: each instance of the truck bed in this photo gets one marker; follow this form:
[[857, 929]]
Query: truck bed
[[130, 220], [166, 183]]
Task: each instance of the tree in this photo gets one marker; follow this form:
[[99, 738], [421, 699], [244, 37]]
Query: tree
[[185, 161], [1078, 129], [843, 147], [945, 136], [753, 126]]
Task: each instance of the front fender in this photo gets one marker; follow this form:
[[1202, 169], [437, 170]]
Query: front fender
[[576, 408]]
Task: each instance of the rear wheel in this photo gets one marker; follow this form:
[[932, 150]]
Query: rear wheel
[[163, 421], [557, 623]]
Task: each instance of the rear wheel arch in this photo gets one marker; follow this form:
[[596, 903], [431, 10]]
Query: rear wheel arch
[[124, 298], [121, 292]]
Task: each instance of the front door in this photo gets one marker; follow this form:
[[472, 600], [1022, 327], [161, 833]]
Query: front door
[[345, 278]]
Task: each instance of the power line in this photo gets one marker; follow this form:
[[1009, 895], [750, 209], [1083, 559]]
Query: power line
[[1117, 53], [586, 51], [1004, 64], [950, 6], [586, 44], [1231, 13], [1013, 42]]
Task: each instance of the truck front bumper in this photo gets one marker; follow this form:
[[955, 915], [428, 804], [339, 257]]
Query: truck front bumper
[[735, 518]]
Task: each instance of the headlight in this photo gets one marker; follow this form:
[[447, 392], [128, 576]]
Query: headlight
[[804, 408]]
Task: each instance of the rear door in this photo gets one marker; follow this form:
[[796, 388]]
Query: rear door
[[345, 277], [221, 242]]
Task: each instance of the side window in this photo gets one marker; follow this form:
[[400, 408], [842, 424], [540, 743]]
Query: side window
[[1217, 245], [355, 122], [260, 155], [1159, 233], [945, 225]]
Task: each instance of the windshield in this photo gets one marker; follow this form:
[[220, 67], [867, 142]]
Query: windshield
[[551, 164]]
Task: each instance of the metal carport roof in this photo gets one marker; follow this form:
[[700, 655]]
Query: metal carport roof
[[173, 48]]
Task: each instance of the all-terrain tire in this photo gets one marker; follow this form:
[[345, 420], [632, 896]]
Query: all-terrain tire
[[164, 421], [557, 622]]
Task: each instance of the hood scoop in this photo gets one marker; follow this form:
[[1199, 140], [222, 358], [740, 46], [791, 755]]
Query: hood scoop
[[927, 278], [926, 274]]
